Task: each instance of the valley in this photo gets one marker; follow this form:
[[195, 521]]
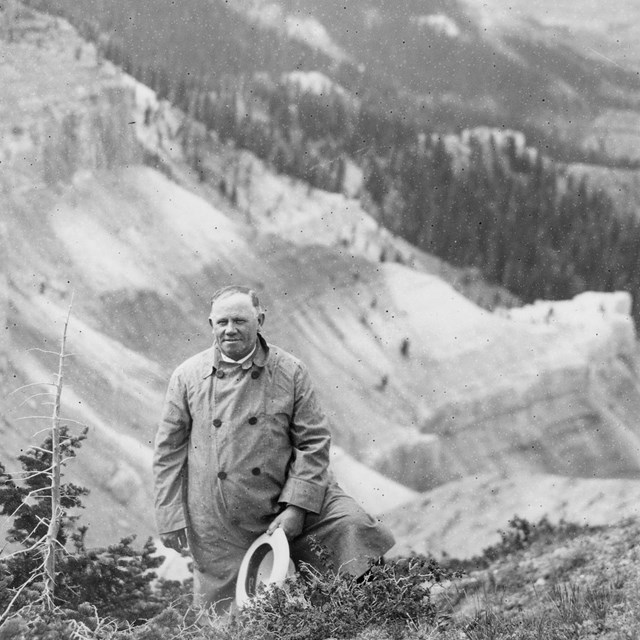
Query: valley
[[608, 36], [424, 387]]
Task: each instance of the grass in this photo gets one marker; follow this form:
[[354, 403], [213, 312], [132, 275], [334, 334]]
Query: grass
[[561, 583]]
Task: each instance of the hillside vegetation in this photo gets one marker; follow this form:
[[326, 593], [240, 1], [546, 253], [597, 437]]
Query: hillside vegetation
[[539, 582], [436, 51]]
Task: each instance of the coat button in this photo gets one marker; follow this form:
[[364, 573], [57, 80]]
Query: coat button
[[217, 422], [256, 471], [235, 522], [219, 373], [222, 475], [253, 420], [255, 375]]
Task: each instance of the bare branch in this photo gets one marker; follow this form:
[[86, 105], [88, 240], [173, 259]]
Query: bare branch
[[36, 395], [23, 586], [22, 504], [36, 448], [32, 384], [75, 422], [37, 433], [53, 353], [33, 547], [27, 475], [32, 493], [82, 424], [42, 521]]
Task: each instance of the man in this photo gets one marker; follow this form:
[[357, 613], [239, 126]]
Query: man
[[243, 448]]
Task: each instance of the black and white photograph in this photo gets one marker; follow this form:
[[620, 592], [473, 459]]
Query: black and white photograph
[[320, 319]]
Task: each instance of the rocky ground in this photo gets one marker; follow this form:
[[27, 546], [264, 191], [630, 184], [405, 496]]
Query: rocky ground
[[551, 582]]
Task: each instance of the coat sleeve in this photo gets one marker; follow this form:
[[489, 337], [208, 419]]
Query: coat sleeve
[[308, 473], [170, 457]]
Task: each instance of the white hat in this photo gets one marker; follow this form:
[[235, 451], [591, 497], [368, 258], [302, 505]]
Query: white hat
[[267, 561]]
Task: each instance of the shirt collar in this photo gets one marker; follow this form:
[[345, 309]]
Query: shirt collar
[[242, 360], [257, 358]]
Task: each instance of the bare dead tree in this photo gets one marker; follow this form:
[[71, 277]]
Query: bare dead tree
[[48, 545], [51, 540]]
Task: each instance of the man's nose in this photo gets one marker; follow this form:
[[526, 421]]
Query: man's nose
[[231, 328]]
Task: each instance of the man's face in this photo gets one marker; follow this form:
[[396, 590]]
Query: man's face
[[235, 323]]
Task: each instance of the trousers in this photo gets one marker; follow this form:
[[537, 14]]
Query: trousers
[[342, 533]]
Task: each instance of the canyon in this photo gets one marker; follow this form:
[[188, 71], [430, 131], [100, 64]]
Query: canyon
[[434, 401]]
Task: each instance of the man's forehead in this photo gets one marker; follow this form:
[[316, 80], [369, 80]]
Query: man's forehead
[[235, 300]]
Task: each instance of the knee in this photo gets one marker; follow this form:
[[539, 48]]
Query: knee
[[364, 526]]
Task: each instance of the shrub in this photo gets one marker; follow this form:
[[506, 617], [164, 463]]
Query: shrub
[[118, 581], [519, 535], [316, 605]]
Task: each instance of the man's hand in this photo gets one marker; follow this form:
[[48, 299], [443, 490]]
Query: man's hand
[[291, 520], [175, 540]]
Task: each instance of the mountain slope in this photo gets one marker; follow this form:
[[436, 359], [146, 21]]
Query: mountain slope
[[610, 35], [441, 57], [419, 383]]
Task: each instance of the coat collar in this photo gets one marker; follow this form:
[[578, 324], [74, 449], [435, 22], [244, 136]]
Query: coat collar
[[212, 358]]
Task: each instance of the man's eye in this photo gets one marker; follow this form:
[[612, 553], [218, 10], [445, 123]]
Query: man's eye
[[221, 322]]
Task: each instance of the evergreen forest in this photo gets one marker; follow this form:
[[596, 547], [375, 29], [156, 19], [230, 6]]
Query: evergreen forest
[[488, 202]]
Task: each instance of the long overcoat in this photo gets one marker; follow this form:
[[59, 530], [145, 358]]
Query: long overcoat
[[235, 445]]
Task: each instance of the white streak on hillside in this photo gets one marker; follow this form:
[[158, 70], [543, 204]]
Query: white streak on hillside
[[116, 229], [450, 324], [314, 82], [440, 23], [109, 261], [79, 409], [119, 365], [304, 28], [312, 33]]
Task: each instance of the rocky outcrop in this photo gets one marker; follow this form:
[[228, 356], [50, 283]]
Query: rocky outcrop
[[568, 408], [69, 113]]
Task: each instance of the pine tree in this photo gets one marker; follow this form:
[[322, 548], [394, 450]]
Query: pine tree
[[119, 581], [116, 580], [28, 505]]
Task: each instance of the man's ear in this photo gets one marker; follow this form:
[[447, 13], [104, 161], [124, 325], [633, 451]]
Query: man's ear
[[210, 322], [261, 319]]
